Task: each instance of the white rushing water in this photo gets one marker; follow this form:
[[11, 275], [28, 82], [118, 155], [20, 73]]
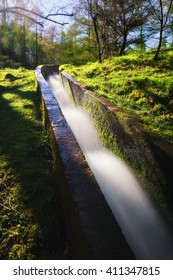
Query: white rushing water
[[142, 227]]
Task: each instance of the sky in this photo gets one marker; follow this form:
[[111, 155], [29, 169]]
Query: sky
[[52, 5], [46, 6]]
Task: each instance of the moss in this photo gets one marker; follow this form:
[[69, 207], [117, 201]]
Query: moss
[[135, 83]]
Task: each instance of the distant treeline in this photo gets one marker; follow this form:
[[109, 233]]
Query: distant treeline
[[99, 29]]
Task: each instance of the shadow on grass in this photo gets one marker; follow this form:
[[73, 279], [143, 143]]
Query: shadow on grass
[[28, 180], [143, 84]]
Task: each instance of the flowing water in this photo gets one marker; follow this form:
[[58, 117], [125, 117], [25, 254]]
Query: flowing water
[[140, 223]]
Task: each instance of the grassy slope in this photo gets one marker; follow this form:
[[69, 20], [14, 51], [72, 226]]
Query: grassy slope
[[29, 225], [139, 85]]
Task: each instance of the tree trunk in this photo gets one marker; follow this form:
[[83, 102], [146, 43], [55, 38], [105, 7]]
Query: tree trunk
[[23, 46], [161, 31], [159, 45], [124, 44], [4, 14], [98, 41], [36, 47]]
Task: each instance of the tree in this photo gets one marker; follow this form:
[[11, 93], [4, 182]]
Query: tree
[[161, 11], [116, 23], [129, 16], [86, 28], [93, 9], [29, 18]]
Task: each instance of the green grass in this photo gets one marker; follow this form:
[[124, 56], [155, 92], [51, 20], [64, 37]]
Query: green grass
[[29, 208], [138, 84]]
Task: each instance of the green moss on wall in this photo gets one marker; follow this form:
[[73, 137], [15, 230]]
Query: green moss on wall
[[121, 134]]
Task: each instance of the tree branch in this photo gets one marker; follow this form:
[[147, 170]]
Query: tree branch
[[59, 14], [168, 12], [30, 18], [154, 10], [13, 10]]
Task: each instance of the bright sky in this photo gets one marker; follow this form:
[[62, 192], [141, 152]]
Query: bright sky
[[46, 6], [52, 5]]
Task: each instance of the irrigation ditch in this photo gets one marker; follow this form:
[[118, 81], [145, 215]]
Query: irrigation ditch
[[92, 230]]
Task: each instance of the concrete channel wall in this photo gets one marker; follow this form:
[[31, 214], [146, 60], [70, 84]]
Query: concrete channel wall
[[92, 231], [121, 134]]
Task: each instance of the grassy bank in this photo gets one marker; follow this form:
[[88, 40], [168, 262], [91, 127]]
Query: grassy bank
[[138, 84], [30, 225]]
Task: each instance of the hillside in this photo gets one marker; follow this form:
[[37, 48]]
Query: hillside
[[140, 85]]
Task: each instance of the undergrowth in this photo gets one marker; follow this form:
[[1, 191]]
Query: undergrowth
[[138, 84]]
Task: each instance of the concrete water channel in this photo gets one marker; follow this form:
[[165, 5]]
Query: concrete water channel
[[107, 214]]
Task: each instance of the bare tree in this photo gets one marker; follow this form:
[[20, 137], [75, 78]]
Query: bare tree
[[161, 10]]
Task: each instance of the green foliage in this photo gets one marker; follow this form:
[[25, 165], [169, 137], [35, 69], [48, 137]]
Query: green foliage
[[29, 211], [20, 46], [141, 86]]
